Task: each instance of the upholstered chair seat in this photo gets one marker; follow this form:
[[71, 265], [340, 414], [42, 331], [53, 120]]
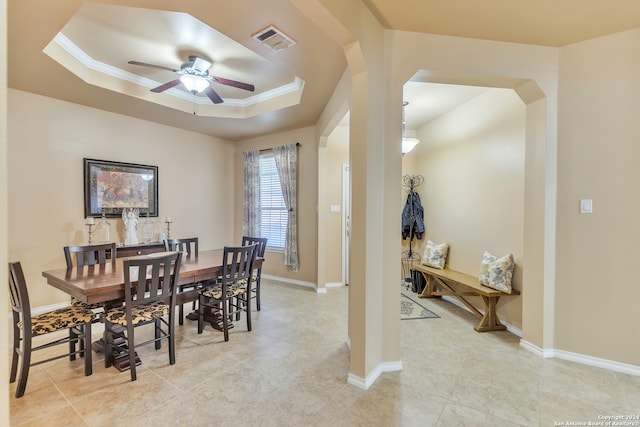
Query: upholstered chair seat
[[59, 319], [233, 290], [140, 313]]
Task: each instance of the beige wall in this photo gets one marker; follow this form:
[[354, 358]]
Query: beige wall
[[47, 142], [472, 159], [307, 202], [598, 159]]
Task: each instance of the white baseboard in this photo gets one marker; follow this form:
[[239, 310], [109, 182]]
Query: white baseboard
[[581, 358], [333, 284], [365, 383], [291, 281]]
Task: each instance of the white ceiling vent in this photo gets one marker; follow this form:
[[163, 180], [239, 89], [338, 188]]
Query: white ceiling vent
[[274, 38]]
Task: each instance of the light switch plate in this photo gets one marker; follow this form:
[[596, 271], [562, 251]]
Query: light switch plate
[[586, 206], [335, 208]]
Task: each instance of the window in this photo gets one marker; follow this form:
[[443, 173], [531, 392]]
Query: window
[[273, 212]]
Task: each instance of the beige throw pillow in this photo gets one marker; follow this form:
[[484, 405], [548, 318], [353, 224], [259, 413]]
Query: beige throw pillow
[[497, 272], [435, 255]]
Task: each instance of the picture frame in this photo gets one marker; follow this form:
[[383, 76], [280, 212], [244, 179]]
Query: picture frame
[[110, 187]]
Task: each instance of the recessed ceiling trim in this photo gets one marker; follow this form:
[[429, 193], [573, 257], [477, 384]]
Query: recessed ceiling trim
[[62, 41]]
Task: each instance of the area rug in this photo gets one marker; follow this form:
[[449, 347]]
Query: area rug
[[410, 309]]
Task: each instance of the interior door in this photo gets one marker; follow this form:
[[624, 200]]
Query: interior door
[[346, 222]]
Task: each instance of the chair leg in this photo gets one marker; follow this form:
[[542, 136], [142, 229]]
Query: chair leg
[[258, 292], [238, 307], [16, 349], [73, 338], [248, 308], [157, 326], [26, 364], [108, 344], [132, 352], [225, 320], [172, 343], [81, 341], [200, 313], [181, 314], [86, 345]]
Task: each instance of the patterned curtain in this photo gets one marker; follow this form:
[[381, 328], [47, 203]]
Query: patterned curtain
[[286, 158], [251, 205]]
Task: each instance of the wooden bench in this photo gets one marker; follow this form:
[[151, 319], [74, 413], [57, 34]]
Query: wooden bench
[[457, 284]]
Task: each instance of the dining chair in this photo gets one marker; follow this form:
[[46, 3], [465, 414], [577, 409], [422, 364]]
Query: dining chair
[[149, 289], [76, 320], [255, 278], [231, 294], [89, 255], [188, 246]]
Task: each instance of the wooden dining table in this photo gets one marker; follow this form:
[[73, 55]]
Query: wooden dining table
[[102, 283]]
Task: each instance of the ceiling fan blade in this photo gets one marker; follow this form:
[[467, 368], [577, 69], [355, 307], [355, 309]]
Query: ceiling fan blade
[[159, 67], [166, 86], [213, 96], [233, 83]]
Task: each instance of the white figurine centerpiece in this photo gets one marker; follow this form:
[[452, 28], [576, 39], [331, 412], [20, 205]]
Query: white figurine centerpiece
[[130, 219]]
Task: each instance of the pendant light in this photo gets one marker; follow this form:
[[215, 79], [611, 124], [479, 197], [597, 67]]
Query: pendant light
[[408, 144]]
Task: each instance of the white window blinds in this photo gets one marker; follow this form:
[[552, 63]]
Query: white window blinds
[[273, 212]]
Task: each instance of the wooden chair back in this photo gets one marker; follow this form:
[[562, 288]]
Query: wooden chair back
[[150, 278], [237, 264], [90, 254], [260, 241], [189, 245], [19, 296]]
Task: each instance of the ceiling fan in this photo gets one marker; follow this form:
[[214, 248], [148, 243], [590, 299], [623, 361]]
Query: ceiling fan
[[194, 75]]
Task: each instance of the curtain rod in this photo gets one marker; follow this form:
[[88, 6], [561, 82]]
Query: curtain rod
[[271, 149]]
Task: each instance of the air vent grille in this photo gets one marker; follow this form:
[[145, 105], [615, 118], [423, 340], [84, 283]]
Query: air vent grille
[[267, 34], [274, 39]]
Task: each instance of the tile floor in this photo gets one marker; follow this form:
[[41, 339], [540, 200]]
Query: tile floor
[[291, 370]]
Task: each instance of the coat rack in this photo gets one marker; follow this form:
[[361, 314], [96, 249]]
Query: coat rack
[[412, 215]]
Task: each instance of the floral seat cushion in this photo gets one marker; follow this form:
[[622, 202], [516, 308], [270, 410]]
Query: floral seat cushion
[[140, 313], [59, 319], [215, 292]]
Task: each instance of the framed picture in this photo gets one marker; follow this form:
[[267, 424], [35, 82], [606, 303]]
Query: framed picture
[[109, 187]]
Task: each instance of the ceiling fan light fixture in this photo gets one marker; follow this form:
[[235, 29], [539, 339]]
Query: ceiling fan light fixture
[[194, 84]]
